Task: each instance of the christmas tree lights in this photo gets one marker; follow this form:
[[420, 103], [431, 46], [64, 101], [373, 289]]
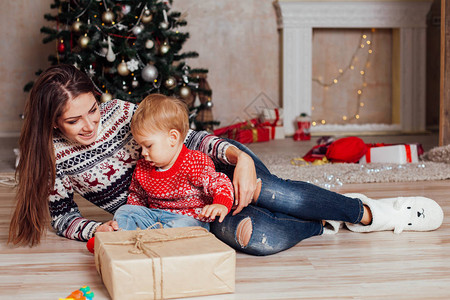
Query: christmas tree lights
[[129, 48]]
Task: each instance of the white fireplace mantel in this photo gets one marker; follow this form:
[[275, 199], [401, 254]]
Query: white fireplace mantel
[[297, 18]]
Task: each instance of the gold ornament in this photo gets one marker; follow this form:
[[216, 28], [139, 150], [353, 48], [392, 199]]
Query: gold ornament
[[147, 17], [105, 97], [185, 91], [76, 26], [108, 16], [83, 41], [122, 69], [170, 82]]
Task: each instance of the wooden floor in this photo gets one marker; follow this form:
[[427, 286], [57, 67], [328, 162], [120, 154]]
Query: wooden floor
[[348, 265]]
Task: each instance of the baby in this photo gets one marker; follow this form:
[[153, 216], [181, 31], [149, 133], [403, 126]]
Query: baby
[[172, 186]]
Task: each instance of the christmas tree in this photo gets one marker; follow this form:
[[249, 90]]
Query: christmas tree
[[129, 48]]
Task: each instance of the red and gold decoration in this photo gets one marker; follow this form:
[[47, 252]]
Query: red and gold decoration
[[61, 46]]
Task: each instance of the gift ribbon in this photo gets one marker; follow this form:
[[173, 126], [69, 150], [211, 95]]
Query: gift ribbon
[[274, 124], [140, 247], [408, 153], [368, 156], [272, 128], [255, 135], [277, 116], [272, 132]]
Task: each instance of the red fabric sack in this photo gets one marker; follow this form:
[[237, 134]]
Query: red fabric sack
[[346, 150]]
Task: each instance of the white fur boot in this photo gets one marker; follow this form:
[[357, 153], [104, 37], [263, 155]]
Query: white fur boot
[[399, 214], [332, 227]]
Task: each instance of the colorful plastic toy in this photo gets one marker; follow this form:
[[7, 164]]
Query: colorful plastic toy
[[84, 293]]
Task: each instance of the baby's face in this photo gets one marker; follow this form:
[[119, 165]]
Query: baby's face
[[159, 148]]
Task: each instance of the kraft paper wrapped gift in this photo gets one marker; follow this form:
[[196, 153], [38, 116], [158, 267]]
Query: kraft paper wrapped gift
[[164, 263], [397, 154]]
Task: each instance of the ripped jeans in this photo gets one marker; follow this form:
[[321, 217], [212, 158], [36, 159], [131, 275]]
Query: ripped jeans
[[285, 213]]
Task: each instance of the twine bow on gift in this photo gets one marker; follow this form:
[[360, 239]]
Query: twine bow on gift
[[139, 245]]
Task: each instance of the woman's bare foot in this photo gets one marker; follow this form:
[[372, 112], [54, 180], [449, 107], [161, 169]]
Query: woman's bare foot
[[367, 216]]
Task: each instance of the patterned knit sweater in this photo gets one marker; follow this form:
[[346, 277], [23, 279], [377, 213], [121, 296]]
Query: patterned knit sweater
[[185, 188], [101, 172]]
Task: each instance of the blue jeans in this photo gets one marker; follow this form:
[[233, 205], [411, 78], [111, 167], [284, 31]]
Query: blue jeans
[[285, 213], [131, 217]]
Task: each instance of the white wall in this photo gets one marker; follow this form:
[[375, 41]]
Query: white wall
[[21, 55]]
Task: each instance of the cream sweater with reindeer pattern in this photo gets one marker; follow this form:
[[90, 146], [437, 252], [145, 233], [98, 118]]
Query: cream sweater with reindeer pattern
[[101, 172]]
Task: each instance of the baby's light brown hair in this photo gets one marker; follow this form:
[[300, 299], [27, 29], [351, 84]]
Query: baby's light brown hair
[[159, 112]]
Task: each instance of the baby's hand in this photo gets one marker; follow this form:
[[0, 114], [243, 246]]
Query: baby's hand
[[213, 210]]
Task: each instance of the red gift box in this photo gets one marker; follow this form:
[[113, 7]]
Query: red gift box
[[250, 135], [389, 153], [276, 132], [224, 131]]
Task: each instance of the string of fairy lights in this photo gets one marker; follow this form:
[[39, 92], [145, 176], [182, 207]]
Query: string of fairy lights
[[365, 44]]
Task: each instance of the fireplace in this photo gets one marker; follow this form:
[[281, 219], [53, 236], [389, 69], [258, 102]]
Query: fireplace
[[298, 18]]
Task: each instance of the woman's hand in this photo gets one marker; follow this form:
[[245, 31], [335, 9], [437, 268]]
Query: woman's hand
[[244, 178], [108, 226]]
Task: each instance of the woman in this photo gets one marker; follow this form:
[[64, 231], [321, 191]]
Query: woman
[[71, 144]]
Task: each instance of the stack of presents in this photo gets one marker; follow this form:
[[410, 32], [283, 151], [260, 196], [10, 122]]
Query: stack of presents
[[268, 126]]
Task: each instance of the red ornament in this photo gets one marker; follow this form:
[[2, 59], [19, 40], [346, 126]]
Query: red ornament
[[61, 47], [90, 244]]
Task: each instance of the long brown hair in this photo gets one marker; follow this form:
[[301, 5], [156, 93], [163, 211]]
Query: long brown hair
[[36, 170]]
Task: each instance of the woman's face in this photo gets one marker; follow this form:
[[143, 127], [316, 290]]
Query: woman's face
[[80, 119]]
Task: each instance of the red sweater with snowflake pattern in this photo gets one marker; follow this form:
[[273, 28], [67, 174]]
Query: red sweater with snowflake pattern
[[185, 188]]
